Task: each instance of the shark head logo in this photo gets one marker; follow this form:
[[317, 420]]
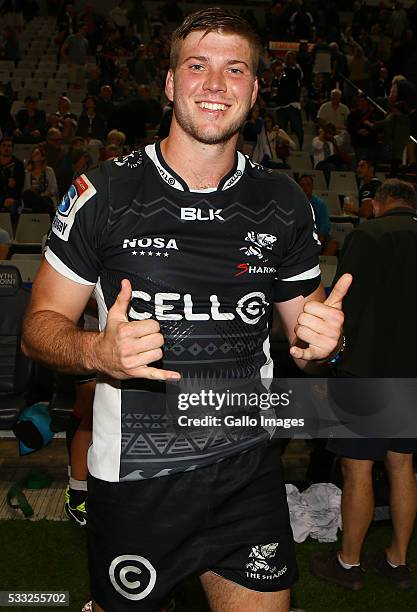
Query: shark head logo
[[259, 556], [258, 242]]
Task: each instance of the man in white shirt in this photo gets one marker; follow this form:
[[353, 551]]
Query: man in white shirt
[[334, 111]]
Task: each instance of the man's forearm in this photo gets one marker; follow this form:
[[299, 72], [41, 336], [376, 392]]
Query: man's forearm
[[56, 341]]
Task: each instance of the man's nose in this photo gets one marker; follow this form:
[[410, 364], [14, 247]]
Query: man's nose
[[215, 81]]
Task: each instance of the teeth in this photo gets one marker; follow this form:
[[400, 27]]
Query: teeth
[[211, 106]]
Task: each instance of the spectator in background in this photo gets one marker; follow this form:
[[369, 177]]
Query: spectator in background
[[329, 246], [7, 123], [334, 111], [40, 190], [398, 21], [125, 85], [286, 95], [12, 176], [403, 90], [117, 138], [131, 40], [94, 82], [327, 151], [380, 344], [359, 68], [369, 185], [4, 244], [30, 122], [152, 107], [338, 65], [67, 121], [381, 86], [119, 16], [104, 103], [316, 96], [139, 65], [74, 52], [78, 163], [55, 154], [111, 151], [363, 138], [274, 152], [67, 21], [265, 87], [11, 49], [91, 125], [396, 133], [302, 24]]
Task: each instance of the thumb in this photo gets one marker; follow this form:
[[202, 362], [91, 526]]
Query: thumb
[[339, 291], [119, 310]]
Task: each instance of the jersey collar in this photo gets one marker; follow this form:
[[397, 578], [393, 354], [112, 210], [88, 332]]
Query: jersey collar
[[167, 174]]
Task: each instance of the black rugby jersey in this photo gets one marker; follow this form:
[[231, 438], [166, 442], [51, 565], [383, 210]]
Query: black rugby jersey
[[207, 265]]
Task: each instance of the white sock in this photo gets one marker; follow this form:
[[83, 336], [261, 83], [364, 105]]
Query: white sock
[[77, 485], [391, 564], [346, 566]]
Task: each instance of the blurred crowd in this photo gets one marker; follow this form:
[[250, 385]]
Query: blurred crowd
[[342, 90]]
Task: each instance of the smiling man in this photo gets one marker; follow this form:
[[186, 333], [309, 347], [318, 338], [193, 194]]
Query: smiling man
[[187, 244]]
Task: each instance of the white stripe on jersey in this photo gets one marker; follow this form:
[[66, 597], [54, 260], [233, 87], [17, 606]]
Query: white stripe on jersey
[[104, 453], [312, 273], [60, 267]]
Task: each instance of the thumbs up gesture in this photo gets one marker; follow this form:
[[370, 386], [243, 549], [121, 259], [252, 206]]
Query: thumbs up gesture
[[320, 325], [126, 348]]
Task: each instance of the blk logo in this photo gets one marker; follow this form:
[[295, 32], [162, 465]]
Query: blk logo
[[196, 214]]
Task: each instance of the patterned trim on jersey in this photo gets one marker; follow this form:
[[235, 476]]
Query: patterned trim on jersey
[[177, 182]]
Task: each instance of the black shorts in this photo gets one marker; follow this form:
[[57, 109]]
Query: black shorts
[[373, 449], [232, 518]]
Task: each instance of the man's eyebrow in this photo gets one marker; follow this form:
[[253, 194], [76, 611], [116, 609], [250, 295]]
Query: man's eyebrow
[[202, 58]]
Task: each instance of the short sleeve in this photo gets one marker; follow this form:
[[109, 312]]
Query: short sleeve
[[75, 241], [299, 270]]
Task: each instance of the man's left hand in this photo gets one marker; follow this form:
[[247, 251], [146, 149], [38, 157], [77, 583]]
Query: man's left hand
[[319, 328]]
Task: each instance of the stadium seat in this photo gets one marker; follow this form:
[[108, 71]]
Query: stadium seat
[[26, 256], [300, 161], [31, 228], [343, 183], [328, 267], [28, 268], [6, 223], [15, 367], [331, 200], [339, 231]]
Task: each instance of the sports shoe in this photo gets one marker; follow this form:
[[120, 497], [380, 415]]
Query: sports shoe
[[88, 607], [327, 567], [75, 513], [400, 576]]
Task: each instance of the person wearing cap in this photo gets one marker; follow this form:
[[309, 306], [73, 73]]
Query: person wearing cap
[[30, 122]]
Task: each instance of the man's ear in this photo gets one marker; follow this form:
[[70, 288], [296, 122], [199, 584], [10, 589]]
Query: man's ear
[[255, 91], [169, 85]]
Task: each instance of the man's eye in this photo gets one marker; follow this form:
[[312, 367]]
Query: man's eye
[[236, 71], [196, 67]]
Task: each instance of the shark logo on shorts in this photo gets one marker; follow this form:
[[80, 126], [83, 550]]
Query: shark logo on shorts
[[258, 242], [261, 563]]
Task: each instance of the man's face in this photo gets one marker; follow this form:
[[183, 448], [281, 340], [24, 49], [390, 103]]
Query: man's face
[[362, 169], [6, 148], [335, 97], [306, 185], [213, 86], [106, 92]]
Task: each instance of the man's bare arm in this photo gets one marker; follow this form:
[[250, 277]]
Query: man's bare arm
[[50, 332], [123, 350]]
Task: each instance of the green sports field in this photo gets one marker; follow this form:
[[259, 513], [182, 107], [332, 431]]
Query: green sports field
[[48, 555]]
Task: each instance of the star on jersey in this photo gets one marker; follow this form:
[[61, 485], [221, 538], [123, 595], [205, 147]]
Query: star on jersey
[[150, 253]]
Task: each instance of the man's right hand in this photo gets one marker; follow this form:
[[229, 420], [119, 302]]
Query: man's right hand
[[124, 349]]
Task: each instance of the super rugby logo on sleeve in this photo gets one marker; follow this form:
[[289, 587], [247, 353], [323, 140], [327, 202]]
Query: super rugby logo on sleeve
[[77, 195]]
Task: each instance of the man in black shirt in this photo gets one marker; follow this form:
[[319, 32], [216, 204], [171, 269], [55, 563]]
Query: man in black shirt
[[188, 245], [367, 190], [381, 254], [12, 176]]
